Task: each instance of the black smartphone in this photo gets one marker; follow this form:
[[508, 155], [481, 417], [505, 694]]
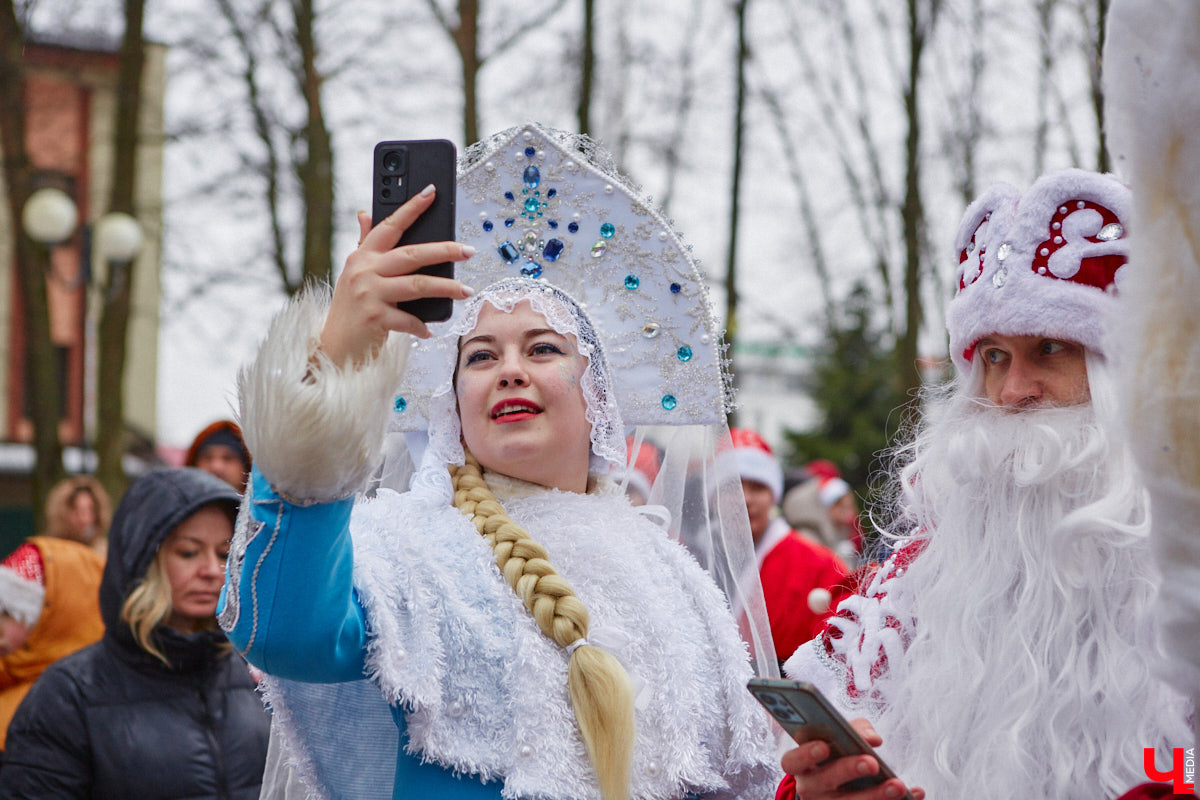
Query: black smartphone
[[806, 715], [402, 169]]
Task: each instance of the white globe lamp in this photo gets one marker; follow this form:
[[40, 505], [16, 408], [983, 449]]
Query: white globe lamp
[[118, 237], [49, 216]]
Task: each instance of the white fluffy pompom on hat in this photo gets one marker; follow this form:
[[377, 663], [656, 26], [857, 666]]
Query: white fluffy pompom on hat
[[1046, 263], [21, 584]]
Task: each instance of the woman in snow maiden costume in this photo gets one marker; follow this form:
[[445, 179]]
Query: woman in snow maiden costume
[[510, 626]]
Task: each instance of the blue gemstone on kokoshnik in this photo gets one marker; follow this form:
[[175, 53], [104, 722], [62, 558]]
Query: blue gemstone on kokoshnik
[[531, 177], [509, 252]]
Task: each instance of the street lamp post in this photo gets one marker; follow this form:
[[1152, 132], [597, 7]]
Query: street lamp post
[[46, 220], [50, 218]]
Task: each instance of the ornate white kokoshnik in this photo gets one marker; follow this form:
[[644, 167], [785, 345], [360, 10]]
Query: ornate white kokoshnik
[[549, 215]]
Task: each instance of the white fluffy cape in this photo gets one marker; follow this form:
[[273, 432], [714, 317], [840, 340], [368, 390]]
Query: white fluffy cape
[[487, 692]]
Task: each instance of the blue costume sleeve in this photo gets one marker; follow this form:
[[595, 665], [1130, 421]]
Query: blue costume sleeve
[[298, 613]]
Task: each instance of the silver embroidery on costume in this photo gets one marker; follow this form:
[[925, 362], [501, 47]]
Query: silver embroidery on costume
[[245, 530]]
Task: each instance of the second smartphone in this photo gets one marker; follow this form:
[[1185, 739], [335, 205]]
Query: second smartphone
[[806, 715]]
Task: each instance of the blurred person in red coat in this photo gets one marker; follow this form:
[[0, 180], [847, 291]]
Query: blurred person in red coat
[[802, 579]]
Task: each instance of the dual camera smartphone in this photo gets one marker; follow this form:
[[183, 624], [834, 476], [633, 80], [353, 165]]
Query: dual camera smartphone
[[805, 715], [401, 170]]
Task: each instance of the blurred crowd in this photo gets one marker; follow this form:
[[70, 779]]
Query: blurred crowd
[[115, 680]]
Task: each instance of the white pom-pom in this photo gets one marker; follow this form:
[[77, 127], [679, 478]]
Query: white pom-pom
[[819, 600]]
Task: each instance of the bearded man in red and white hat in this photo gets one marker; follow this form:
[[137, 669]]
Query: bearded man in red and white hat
[[802, 580], [1008, 648]]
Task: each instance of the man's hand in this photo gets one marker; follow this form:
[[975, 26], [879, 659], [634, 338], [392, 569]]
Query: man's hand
[[816, 780]]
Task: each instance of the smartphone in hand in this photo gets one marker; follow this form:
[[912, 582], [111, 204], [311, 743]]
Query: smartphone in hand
[[807, 716], [402, 169]]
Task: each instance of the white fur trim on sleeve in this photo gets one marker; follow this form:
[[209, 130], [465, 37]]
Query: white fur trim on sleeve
[[317, 437], [810, 664]]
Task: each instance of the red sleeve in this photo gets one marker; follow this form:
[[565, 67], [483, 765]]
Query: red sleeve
[[787, 789], [789, 573], [1154, 791]]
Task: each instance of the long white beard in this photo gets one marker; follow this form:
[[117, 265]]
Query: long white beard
[[1030, 674]]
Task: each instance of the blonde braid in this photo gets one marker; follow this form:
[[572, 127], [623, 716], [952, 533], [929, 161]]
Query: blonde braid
[[601, 694]]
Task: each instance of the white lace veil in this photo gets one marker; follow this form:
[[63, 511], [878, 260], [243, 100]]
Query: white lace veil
[[554, 224]]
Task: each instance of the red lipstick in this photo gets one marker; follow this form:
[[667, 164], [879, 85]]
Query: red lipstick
[[514, 409]]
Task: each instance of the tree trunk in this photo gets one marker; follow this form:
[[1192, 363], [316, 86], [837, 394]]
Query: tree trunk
[[114, 316], [739, 110], [587, 65], [912, 215], [31, 263], [315, 170], [1103, 162], [466, 38]]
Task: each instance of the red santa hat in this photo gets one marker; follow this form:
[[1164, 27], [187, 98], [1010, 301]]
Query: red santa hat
[[751, 458], [1046, 263], [832, 489], [22, 581], [823, 468]]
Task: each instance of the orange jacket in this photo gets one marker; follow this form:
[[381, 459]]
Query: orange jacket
[[70, 620]]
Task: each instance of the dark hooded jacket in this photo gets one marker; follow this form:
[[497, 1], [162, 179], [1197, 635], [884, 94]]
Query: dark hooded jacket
[[113, 721]]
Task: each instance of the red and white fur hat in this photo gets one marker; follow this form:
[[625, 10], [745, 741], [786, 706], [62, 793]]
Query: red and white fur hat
[[1046, 263], [752, 458], [22, 578]]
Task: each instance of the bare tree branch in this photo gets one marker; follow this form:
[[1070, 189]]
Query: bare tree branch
[[441, 17], [687, 91], [521, 30], [869, 207], [813, 233], [264, 131]]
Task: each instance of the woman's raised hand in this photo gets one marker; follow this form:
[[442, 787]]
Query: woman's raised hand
[[378, 275], [815, 779]]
